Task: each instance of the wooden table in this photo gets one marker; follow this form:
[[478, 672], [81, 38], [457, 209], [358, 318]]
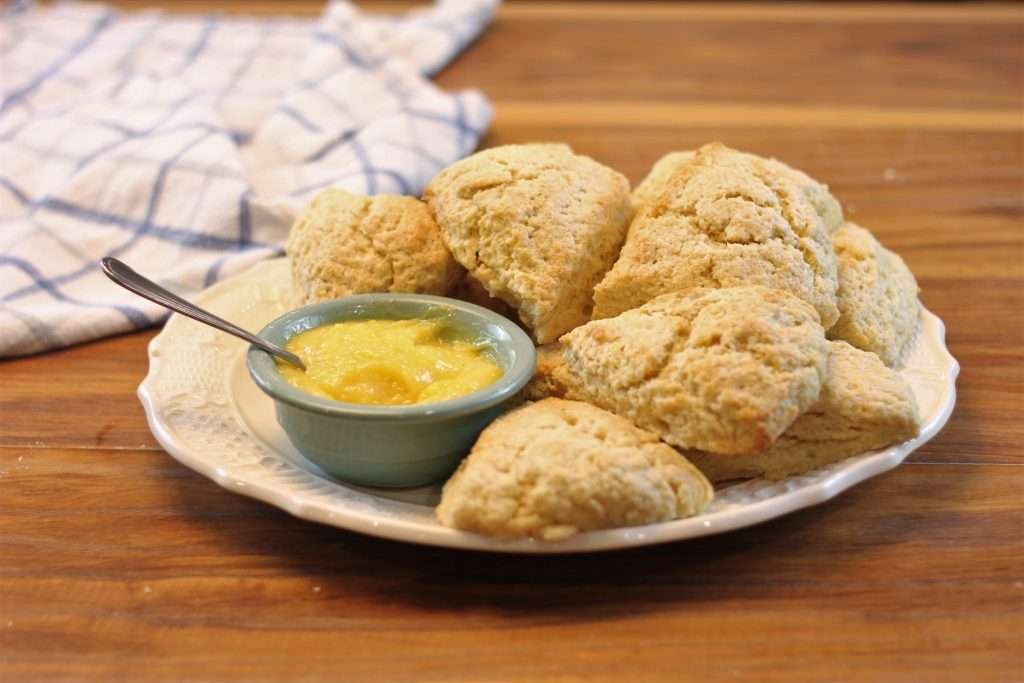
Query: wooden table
[[118, 563]]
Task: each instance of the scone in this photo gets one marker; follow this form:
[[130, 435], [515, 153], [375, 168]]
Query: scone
[[551, 379], [344, 244], [536, 225], [554, 468], [651, 187], [725, 218], [863, 406], [722, 370], [878, 306]]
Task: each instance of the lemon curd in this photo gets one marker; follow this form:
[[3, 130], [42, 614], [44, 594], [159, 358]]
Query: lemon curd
[[387, 362]]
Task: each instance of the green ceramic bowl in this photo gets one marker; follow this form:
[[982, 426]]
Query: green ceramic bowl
[[393, 445]]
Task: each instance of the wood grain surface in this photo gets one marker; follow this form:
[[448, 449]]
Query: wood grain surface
[[117, 563]]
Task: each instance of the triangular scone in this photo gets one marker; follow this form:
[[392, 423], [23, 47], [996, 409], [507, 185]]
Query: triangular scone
[[345, 243], [878, 306], [554, 468], [725, 218], [863, 406], [536, 225], [722, 370]]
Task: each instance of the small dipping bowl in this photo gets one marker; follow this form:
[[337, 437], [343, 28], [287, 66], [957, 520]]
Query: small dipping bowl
[[393, 446]]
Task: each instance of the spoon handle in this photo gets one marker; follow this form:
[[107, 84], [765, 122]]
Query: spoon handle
[[119, 272]]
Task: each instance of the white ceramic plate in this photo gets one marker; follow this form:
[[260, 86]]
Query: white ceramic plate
[[208, 414]]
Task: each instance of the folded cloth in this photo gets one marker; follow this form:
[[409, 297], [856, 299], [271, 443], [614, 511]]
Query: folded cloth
[[185, 145]]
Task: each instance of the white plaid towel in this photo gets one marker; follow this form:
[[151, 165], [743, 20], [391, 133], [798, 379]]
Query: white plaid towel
[[186, 145]]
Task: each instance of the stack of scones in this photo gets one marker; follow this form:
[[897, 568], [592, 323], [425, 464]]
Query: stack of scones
[[722, 321]]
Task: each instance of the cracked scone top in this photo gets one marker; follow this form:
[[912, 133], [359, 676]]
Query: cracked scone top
[[344, 244], [878, 306], [722, 370], [653, 185], [554, 468], [536, 225], [726, 218], [863, 405], [664, 168]]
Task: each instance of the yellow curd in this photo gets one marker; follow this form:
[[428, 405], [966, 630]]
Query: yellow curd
[[387, 362]]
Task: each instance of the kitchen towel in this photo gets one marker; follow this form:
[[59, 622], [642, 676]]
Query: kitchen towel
[[185, 145]]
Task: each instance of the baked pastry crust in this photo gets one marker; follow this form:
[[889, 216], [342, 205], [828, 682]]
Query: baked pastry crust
[[554, 468], [537, 225], [722, 370], [344, 244], [877, 297], [551, 378], [863, 405], [725, 218], [469, 289], [651, 187]]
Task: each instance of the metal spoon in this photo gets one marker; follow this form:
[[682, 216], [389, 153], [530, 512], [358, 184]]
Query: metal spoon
[[120, 273]]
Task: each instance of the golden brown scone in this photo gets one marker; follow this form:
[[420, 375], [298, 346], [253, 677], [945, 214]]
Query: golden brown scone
[[722, 370], [554, 468], [725, 218], [537, 225], [878, 306], [651, 187], [344, 244], [863, 406], [551, 379]]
